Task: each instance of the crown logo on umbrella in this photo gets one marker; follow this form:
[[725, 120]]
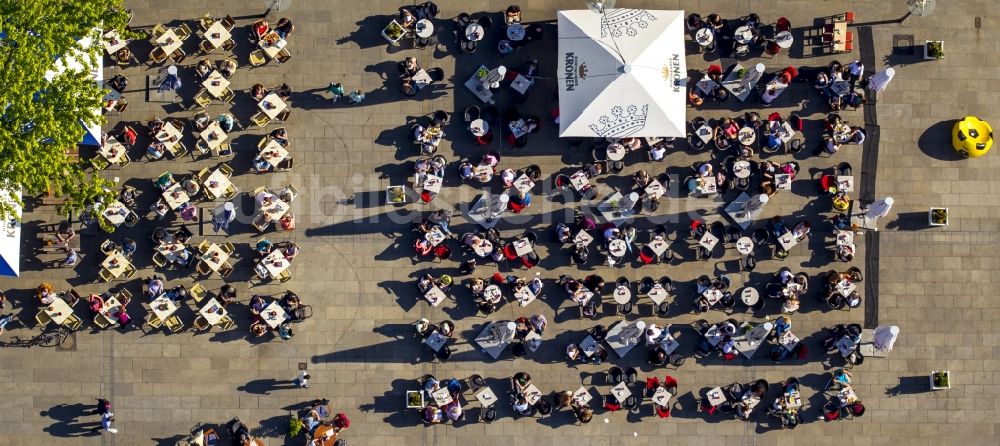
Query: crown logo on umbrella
[[622, 122]]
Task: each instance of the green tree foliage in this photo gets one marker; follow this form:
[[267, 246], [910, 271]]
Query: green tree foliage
[[39, 119]]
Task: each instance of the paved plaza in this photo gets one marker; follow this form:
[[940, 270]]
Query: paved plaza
[[358, 272]]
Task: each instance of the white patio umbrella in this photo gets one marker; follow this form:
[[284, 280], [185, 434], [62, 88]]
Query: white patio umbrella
[[885, 337], [621, 73], [879, 81], [879, 208]]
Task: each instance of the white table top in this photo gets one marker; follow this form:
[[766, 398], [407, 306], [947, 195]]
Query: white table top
[[112, 150], [213, 136], [175, 196], [522, 247], [271, 49], [435, 236], [788, 340], [844, 183], [579, 180], [582, 396], [484, 248], [749, 296], [845, 287], [704, 36], [58, 311], [521, 84], [115, 213], [747, 135], [276, 209], [276, 263], [662, 396], [474, 32], [704, 132], [217, 183], [421, 79], [475, 85], [494, 342], [784, 39], [655, 189], [515, 32], [215, 84], [524, 184], [163, 307], [657, 246], [589, 346], [518, 128], [621, 392], [617, 247], [432, 183], [424, 28], [215, 264], [707, 86], [783, 181], [743, 34], [271, 105], [492, 293], [708, 186], [217, 34], [714, 335], [657, 294], [169, 41], [616, 151], [273, 315], [845, 238], [583, 238], [479, 127], [744, 245], [712, 295], [442, 396], [212, 311], [622, 295], [169, 135], [525, 296], [788, 241], [435, 296], [716, 397], [620, 337], [708, 241], [169, 249], [668, 343], [109, 305], [532, 394], [113, 42], [741, 169], [486, 397], [122, 264], [273, 152]]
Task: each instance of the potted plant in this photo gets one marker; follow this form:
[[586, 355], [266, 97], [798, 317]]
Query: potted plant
[[395, 194], [938, 217], [414, 399], [933, 49], [393, 32], [295, 426], [940, 380]]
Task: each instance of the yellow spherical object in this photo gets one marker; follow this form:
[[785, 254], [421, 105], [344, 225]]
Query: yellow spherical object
[[972, 137]]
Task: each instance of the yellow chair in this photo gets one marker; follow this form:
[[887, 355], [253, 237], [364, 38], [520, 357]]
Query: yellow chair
[[231, 192], [200, 323], [203, 268], [198, 292], [226, 322], [101, 321], [106, 275], [283, 55], [206, 22], [285, 276], [203, 246], [182, 31], [226, 170], [263, 143], [152, 321], [228, 248], [157, 31], [124, 160], [157, 55], [124, 296], [226, 270], [227, 95], [159, 259], [260, 119], [174, 324], [229, 22], [203, 175], [129, 272], [178, 150], [206, 47], [258, 58], [73, 322], [259, 190], [203, 98], [42, 318]]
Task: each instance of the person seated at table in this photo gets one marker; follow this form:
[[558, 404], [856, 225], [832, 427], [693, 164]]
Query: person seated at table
[[257, 304], [714, 73], [769, 95], [261, 165], [408, 67], [203, 69], [263, 247], [822, 83], [191, 187], [657, 151], [653, 333], [512, 14], [520, 404], [95, 303], [156, 150], [522, 199], [857, 136], [284, 27], [728, 347], [642, 179], [258, 328], [279, 135], [705, 170], [801, 230], [154, 287], [64, 232], [721, 182], [290, 302], [264, 198], [465, 171], [283, 91], [593, 169], [258, 91], [407, 18], [701, 304], [155, 126], [563, 233], [118, 83], [201, 121], [226, 122], [432, 415], [777, 226], [830, 145], [791, 304], [720, 94], [841, 378], [227, 68]]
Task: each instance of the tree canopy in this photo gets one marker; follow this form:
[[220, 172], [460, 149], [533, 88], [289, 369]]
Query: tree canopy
[[40, 119]]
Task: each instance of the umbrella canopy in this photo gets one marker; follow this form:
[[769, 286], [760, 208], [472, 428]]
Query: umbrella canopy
[[885, 337], [880, 81], [10, 238], [171, 82], [622, 73]]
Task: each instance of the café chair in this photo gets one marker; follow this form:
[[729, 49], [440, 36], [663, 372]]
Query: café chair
[[226, 322], [615, 375], [72, 322], [206, 47], [200, 323], [157, 55], [283, 55], [174, 324], [226, 170], [198, 292], [260, 119], [228, 45], [182, 31], [99, 163], [203, 98], [42, 318], [159, 259], [231, 192], [228, 248], [106, 275], [203, 268], [229, 22], [101, 321], [258, 58], [178, 150], [227, 95], [285, 276], [178, 56], [157, 31], [206, 21], [283, 116], [488, 415], [225, 270], [284, 165], [152, 321]]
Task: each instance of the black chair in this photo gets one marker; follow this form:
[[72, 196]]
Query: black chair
[[463, 20], [443, 354], [517, 350], [843, 169], [436, 74], [615, 375], [440, 117], [631, 375], [748, 262], [490, 114], [485, 22], [469, 47], [488, 415], [472, 113], [760, 237], [667, 284], [773, 290], [676, 360], [631, 403], [728, 302], [645, 284], [543, 406], [475, 382]]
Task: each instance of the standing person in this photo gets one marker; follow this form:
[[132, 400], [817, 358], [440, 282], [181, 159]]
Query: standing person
[[106, 419], [303, 379], [103, 406], [340, 422], [855, 70], [356, 97], [337, 90]]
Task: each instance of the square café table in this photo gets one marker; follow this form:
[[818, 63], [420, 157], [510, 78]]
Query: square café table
[[522, 247], [271, 105], [169, 41], [213, 135], [217, 183], [163, 307], [273, 315], [217, 34], [435, 296], [273, 153], [716, 397], [215, 84], [620, 337], [524, 184], [436, 340], [212, 311], [112, 150], [271, 49], [276, 263], [525, 296], [113, 42], [442, 396], [58, 311], [115, 213], [582, 395], [169, 135], [175, 196], [215, 264], [532, 394], [276, 209], [486, 397], [118, 269], [662, 397], [621, 392], [169, 249]]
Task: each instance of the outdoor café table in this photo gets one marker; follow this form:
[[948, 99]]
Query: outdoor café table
[[788, 340], [712, 295], [747, 136], [741, 87], [421, 79], [486, 397], [515, 32], [845, 183], [169, 135], [791, 288], [582, 396], [483, 173], [479, 127], [716, 397], [115, 213], [657, 294], [109, 305], [110, 99], [792, 400], [476, 86], [704, 36], [749, 296], [58, 311], [212, 311], [213, 136], [662, 397], [741, 169], [714, 335], [840, 88], [784, 39], [704, 133], [522, 247], [783, 181], [589, 346], [748, 342], [582, 238], [622, 295], [169, 249], [845, 287], [273, 315], [524, 295], [275, 210], [434, 295], [532, 341], [847, 395], [113, 42], [621, 391], [217, 34], [215, 263], [743, 34], [624, 335], [788, 241], [112, 150], [216, 84], [273, 153], [524, 184], [271, 43], [169, 42], [496, 337], [655, 189], [474, 32], [435, 236], [668, 343], [423, 28], [518, 128], [579, 180], [163, 307], [845, 238], [276, 263], [432, 183], [744, 245], [484, 248], [436, 340], [324, 433], [784, 130], [492, 294], [271, 105], [116, 263], [706, 186], [707, 85], [521, 84], [617, 247], [532, 394], [616, 209], [217, 183], [442, 397], [175, 196], [616, 151], [708, 241]]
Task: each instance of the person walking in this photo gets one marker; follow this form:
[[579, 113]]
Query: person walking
[[303, 379], [356, 97], [106, 419], [103, 407], [337, 90]]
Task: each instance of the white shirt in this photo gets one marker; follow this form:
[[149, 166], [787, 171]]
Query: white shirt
[[653, 334], [656, 153]]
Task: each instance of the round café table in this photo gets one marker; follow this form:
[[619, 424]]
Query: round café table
[[750, 296], [325, 435], [616, 151], [617, 247], [515, 32], [424, 28], [492, 294], [704, 36], [743, 34], [479, 127], [744, 245], [784, 39], [622, 295], [747, 136], [474, 32], [741, 169]]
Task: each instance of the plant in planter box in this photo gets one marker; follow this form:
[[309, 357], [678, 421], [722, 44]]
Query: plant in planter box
[[939, 216], [934, 49], [941, 380], [414, 399]]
